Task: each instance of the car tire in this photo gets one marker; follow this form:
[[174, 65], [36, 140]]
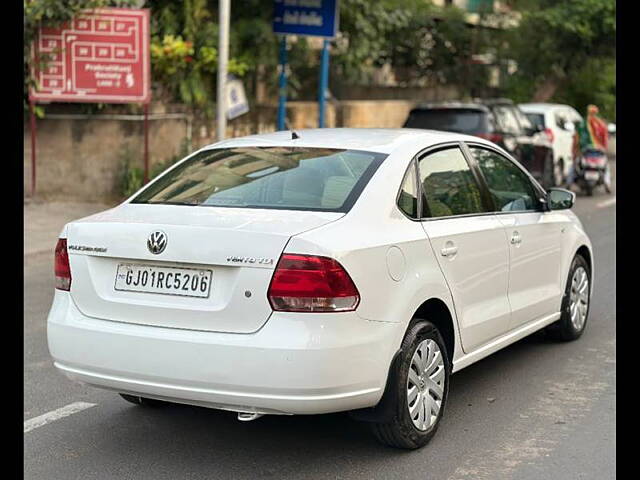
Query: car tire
[[576, 303], [404, 429], [142, 401], [548, 172], [558, 173]]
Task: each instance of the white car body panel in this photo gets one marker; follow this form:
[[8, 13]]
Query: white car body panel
[[234, 352], [478, 274]]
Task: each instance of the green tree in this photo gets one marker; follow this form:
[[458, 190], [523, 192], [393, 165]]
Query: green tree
[[565, 50]]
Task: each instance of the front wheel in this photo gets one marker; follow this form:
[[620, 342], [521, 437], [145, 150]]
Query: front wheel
[[420, 389], [588, 188], [607, 180], [575, 303]]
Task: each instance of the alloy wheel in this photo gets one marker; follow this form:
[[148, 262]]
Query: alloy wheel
[[579, 298], [425, 384]]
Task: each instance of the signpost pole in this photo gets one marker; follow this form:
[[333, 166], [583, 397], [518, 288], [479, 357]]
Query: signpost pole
[[324, 81], [32, 119], [223, 60], [146, 143], [282, 84]]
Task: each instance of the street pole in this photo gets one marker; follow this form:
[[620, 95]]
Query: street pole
[[145, 108], [223, 60], [282, 84], [324, 82]]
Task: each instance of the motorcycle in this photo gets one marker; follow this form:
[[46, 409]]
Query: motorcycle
[[592, 170]]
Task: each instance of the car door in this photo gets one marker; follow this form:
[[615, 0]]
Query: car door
[[534, 236], [469, 243]]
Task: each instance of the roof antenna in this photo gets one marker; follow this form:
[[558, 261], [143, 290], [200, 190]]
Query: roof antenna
[[294, 135]]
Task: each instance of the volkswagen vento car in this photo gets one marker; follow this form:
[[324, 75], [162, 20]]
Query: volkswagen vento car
[[323, 271]]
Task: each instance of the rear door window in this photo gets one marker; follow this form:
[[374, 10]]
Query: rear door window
[[448, 185], [296, 178]]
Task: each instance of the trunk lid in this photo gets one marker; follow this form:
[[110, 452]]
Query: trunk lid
[[239, 246]]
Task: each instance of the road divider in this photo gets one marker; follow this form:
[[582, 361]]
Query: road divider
[[56, 415]]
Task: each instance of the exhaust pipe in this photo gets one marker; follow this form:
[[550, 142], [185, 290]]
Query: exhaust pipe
[[247, 417]]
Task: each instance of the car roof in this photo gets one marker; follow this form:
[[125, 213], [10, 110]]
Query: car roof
[[381, 140], [451, 105], [542, 107], [493, 102]]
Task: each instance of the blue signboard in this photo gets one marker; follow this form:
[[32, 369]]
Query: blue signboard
[[317, 18]]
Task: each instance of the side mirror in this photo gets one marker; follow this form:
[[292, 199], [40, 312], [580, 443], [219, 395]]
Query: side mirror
[[560, 199], [612, 128]]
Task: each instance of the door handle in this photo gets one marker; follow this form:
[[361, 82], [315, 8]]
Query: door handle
[[516, 239], [449, 251]]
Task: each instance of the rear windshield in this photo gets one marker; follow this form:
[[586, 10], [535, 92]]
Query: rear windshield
[[536, 119], [450, 120], [267, 177]]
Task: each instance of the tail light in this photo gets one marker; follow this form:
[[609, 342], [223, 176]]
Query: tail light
[[549, 133], [308, 283], [61, 267], [492, 137]]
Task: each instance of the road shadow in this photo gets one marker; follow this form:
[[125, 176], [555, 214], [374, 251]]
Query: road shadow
[[175, 439]]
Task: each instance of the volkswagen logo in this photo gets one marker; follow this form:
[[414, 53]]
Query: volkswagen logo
[[157, 242]]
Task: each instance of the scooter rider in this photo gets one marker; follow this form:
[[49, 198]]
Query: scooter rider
[[591, 133]]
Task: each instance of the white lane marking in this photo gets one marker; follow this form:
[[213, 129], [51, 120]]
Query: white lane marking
[[606, 203], [56, 415]]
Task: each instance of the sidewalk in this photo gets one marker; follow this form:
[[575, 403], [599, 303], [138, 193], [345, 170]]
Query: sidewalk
[[43, 222]]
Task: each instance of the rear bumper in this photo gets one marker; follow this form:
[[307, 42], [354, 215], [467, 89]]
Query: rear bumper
[[295, 364]]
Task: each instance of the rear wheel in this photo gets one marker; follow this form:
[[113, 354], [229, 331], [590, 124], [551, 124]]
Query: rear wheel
[[420, 390], [575, 303], [558, 173], [145, 402], [548, 172]]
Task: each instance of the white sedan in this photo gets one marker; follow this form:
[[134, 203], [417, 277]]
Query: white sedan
[[322, 271]]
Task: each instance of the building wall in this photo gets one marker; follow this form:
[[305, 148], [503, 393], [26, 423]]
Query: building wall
[[80, 157]]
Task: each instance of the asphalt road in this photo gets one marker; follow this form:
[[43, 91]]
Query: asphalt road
[[534, 410]]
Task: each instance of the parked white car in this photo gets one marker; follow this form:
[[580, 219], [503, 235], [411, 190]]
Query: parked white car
[[559, 121], [332, 270]]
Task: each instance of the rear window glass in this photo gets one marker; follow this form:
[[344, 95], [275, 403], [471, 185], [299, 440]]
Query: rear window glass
[[450, 120], [267, 177], [536, 119]]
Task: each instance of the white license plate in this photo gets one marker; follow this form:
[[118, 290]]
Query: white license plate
[[186, 282], [591, 175]]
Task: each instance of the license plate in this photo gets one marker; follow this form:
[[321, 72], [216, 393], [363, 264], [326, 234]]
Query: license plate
[[591, 175], [186, 282]]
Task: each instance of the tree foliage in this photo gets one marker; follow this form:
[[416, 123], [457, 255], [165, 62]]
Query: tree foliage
[[566, 50], [425, 44]]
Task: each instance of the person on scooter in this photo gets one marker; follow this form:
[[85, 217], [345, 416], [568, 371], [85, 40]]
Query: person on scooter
[[590, 134]]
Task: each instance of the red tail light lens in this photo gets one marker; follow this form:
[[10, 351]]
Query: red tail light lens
[[308, 283], [549, 133], [61, 268]]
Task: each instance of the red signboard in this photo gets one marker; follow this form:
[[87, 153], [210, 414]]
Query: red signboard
[[101, 56]]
